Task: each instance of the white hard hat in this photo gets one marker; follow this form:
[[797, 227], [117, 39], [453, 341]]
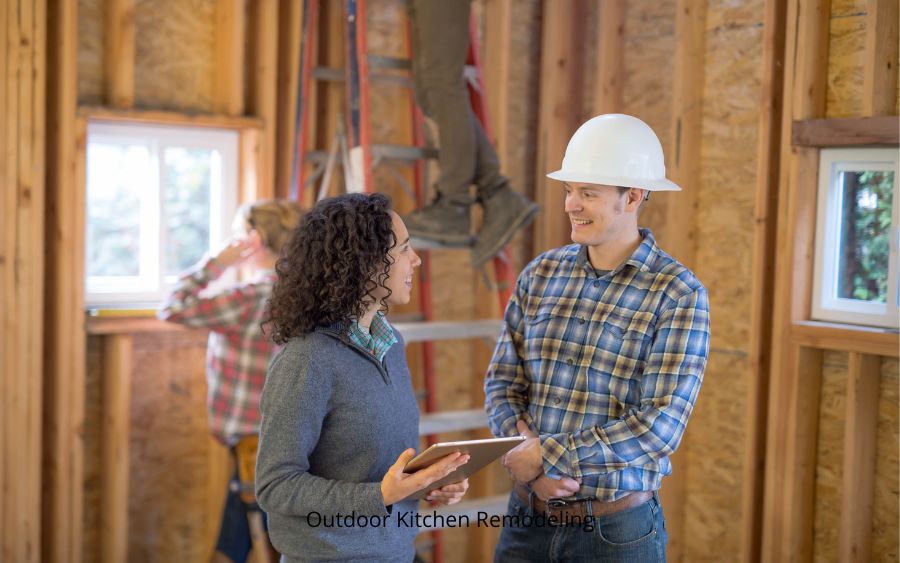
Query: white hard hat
[[616, 150]]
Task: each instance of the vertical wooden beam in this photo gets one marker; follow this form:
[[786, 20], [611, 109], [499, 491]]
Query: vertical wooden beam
[[64, 337], [560, 112], [609, 68], [250, 188], [117, 352], [497, 51], [684, 169], [262, 89], [880, 68], [118, 53], [806, 56], [762, 278], [860, 431], [21, 275], [228, 97], [290, 15]]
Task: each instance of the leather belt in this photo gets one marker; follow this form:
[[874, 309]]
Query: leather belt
[[566, 510]]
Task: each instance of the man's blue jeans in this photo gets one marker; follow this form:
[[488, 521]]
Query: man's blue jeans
[[634, 535]]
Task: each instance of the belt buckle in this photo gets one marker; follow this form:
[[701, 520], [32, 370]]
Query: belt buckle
[[556, 507]]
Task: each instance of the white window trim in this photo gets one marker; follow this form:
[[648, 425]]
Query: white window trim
[[153, 285], [825, 305]]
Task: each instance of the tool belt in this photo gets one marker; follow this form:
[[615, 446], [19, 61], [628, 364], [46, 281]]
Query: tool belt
[[245, 458], [567, 510]]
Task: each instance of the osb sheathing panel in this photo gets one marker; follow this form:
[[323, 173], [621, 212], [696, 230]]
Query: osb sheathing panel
[[174, 54], [885, 531], [90, 51], [725, 198], [846, 58], [715, 438], [647, 90], [170, 451], [829, 456]]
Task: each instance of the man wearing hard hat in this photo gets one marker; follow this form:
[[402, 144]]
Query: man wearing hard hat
[[599, 363]]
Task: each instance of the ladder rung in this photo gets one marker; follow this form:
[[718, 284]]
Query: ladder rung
[[449, 330], [452, 421], [491, 506], [332, 74], [402, 152], [393, 63]]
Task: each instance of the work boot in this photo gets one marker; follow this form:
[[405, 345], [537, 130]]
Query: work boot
[[505, 212], [442, 221]]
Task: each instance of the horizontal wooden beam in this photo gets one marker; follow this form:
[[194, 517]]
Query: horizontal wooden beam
[[130, 325], [846, 338], [846, 132], [160, 117]]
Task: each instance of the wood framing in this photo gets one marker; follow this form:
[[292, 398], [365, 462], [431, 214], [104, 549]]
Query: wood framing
[[860, 432], [880, 67], [118, 53], [117, 351], [262, 89], [496, 61], [290, 17], [762, 278], [846, 338], [559, 114], [785, 535], [609, 71], [846, 132], [22, 142], [162, 117], [64, 336], [228, 95]]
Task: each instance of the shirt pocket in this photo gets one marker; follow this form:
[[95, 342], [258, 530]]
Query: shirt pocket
[[620, 354]]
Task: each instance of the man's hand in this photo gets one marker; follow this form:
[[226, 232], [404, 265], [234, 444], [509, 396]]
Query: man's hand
[[524, 461], [449, 494], [546, 488], [398, 485]]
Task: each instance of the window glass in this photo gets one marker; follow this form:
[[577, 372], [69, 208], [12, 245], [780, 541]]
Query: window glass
[[187, 188]]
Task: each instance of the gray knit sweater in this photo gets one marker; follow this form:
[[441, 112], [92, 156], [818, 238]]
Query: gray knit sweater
[[334, 419]]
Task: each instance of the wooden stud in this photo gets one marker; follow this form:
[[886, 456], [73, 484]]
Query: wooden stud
[[806, 56], [118, 53], [880, 69], [248, 166], [7, 277], [762, 279], [860, 432], [117, 364], [262, 90], [609, 67], [228, 97], [559, 113], [289, 31], [64, 336], [846, 132], [497, 50]]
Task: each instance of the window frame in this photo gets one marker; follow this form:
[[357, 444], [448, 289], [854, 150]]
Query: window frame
[[826, 306], [154, 285]]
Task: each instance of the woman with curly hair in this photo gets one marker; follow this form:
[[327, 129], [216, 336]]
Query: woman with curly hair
[[339, 416]]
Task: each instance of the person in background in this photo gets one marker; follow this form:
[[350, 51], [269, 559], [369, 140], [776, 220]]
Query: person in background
[[340, 420], [238, 351], [440, 42]]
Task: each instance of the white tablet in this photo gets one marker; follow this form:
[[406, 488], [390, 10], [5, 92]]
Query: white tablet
[[481, 453]]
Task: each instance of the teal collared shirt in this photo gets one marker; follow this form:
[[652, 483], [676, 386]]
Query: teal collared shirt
[[377, 340]]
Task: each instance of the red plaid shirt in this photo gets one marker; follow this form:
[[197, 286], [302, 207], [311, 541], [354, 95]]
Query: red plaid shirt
[[237, 354]]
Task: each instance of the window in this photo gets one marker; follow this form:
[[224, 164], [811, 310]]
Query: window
[[158, 198], [857, 237]]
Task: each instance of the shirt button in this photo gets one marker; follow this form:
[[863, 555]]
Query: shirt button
[[581, 320], [596, 283], [556, 400], [570, 361]]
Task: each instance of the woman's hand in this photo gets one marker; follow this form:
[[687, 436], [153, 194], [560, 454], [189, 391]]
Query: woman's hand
[[449, 494], [398, 485], [237, 250]]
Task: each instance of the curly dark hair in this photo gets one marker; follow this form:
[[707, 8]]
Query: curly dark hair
[[336, 257]]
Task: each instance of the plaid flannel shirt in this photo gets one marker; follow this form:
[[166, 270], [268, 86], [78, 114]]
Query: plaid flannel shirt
[[605, 368], [377, 340], [237, 354]]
